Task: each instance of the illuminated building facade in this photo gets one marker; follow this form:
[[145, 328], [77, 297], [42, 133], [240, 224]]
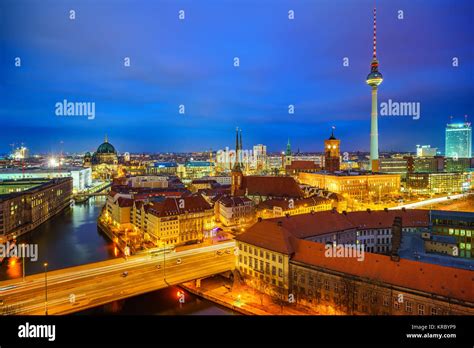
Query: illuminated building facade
[[28, 207], [162, 220], [81, 177], [281, 256], [235, 211], [175, 221], [195, 169], [272, 208], [435, 183], [20, 153], [459, 225], [354, 185], [458, 140], [162, 168]]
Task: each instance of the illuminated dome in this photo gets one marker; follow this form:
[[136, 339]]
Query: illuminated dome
[[106, 147]]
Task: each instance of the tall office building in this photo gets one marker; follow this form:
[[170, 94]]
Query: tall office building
[[260, 156], [458, 140], [374, 79]]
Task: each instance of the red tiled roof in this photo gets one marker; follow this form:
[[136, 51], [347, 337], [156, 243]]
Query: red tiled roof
[[308, 225], [125, 202], [268, 235], [384, 219], [223, 189], [171, 206], [430, 278], [318, 223], [274, 186]]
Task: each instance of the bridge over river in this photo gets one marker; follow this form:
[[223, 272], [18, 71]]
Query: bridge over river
[[77, 288]]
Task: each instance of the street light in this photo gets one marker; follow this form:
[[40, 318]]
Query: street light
[[46, 288], [23, 260]]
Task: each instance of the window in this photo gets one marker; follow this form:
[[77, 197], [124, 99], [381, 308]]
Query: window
[[434, 311], [267, 255], [385, 301], [408, 306], [396, 304], [326, 284], [421, 309], [280, 272], [273, 257], [261, 253], [274, 270], [280, 259]]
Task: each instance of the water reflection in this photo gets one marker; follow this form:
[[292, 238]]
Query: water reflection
[[69, 239]]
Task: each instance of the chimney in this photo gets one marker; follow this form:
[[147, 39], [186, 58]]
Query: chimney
[[385, 210], [368, 210], [344, 212], [287, 215], [280, 223], [396, 238], [259, 219]]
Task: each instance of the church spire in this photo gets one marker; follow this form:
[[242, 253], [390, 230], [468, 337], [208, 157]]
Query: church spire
[[237, 150], [106, 139]]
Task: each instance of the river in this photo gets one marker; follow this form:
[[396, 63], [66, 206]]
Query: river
[[71, 238]]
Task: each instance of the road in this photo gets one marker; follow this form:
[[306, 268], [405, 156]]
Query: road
[[429, 201], [78, 288]]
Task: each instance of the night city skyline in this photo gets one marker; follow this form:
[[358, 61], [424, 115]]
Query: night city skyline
[[190, 63], [169, 168]]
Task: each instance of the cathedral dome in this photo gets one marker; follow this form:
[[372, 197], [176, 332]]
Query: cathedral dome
[[106, 147]]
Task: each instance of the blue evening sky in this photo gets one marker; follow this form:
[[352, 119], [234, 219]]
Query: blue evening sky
[[190, 62]]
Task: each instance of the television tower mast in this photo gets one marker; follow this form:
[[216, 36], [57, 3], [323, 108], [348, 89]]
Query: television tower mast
[[374, 79]]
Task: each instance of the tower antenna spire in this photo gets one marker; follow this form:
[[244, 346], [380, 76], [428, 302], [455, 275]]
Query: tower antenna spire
[[374, 79], [375, 33]]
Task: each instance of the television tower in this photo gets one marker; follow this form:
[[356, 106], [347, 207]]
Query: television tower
[[374, 79]]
